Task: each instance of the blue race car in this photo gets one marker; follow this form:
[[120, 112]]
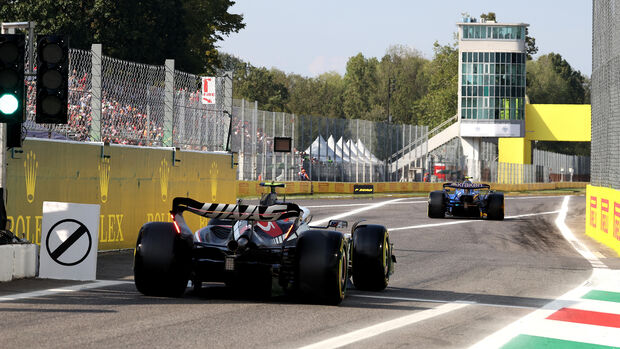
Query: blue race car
[[466, 199]]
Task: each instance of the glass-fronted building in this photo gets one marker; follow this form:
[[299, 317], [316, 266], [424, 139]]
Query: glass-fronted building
[[492, 79]]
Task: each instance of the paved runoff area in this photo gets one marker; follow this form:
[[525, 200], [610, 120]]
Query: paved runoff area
[[534, 280]]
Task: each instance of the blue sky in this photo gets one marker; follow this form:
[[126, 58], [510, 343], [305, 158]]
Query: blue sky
[[309, 37]]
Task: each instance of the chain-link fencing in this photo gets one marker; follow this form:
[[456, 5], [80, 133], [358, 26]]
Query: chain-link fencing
[[323, 149], [128, 105], [605, 94], [122, 102], [448, 163]]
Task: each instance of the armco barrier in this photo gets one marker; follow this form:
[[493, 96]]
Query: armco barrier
[[252, 188], [133, 185], [603, 216]]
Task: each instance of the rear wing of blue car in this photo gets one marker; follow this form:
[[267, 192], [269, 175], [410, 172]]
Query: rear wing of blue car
[[234, 212], [466, 185]]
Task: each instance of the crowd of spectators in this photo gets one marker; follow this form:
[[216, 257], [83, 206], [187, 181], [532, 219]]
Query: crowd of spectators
[[125, 119], [244, 130]]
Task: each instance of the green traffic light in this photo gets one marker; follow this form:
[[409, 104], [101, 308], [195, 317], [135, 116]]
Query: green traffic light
[[8, 104]]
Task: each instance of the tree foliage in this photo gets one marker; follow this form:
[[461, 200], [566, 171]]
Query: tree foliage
[[551, 80], [144, 31], [440, 103], [360, 88]]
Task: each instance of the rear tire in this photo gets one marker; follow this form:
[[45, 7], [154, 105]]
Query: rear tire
[[323, 266], [495, 206], [436, 205], [162, 260], [371, 257]]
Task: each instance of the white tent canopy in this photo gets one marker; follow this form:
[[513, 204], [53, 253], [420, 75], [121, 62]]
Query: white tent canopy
[[341, 151]]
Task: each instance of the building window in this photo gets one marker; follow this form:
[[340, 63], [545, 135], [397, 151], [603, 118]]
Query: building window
[[491, 89], [493, 32]]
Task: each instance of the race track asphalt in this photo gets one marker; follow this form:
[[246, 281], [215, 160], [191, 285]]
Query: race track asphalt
[[481, 275]]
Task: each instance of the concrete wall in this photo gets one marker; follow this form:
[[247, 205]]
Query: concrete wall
[[18, 261]]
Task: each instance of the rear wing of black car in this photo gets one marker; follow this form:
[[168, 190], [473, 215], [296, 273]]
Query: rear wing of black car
[[234, 212], [466, 185]]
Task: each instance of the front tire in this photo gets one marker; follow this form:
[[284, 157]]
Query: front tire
[[495, 206], [436, 205], [371, 257], [322, 266], [162, 260]]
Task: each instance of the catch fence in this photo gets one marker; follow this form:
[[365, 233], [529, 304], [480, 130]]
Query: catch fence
[[326, 149], [448, 163], [606, 94], [121, 102]]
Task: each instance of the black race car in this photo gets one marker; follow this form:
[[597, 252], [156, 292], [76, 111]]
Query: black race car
[[258, 247], [466, 199]]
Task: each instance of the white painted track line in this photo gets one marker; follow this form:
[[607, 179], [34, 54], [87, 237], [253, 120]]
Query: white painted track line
[[350, 213], [420, 226], [425, 200], [535, 323], [66, 289], [425, 300], [374, 330], [390, 203]]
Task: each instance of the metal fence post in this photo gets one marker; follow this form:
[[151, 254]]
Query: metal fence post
[[310, 132], [318, 163], [371, 167], [180, 124], [284, 154], [242, 142], [357, 161], [254, 130], [95, 101], [168, 103], [264, 162], [273, 154], [293, 139]]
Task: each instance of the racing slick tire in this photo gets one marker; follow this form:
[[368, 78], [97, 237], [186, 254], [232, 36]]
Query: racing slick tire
[[322, 266], [162, 260], [495, 204], [436, 205], [371, 257]]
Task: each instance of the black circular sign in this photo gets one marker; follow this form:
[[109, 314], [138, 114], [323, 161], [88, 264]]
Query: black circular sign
[[70, 241]]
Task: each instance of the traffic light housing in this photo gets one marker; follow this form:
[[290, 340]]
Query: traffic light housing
[[52, 79], [12, 78], [14, 135]]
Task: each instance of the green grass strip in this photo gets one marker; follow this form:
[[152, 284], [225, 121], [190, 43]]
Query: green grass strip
[[525, 341], [603, 296]]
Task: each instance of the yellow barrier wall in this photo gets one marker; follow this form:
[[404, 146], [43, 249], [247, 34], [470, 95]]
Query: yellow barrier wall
[[252, 188], [547, 122], [515, 150], [133, 185], [603, 216]]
